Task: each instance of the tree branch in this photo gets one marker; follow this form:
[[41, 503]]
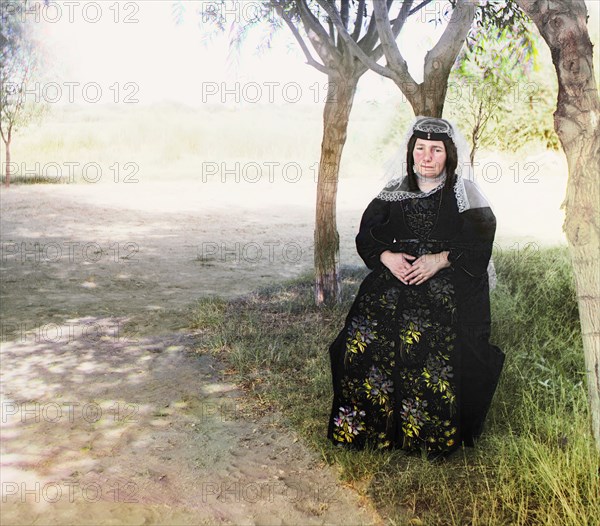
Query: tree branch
[[419, 7], [358, 20], [319, 38], [331, 30], [392, 54], [353, 47], [370, 39], [309, 58], [387, 36], [344, 13], [440, 59], [312, 22], [398, 24]]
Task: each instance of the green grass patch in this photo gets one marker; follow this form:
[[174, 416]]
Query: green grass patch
[[535, 464], [32, 179]]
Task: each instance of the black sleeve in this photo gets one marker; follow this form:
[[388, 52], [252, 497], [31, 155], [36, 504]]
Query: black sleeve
[[471, 250], [372, 240]]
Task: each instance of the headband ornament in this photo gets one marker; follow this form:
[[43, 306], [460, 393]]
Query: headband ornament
[[433, 129]]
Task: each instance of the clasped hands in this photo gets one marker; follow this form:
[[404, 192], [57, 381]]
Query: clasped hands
[[417, 272]]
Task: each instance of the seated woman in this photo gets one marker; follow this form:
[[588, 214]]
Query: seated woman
[[413, 367]]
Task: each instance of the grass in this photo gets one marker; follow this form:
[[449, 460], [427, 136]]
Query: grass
[[535, 464], [32, 179], [166, 142]]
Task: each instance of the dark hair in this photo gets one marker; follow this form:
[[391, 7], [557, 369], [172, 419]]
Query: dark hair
[[451, 164]]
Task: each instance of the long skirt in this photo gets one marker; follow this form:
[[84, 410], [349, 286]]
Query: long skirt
[[413, 367]]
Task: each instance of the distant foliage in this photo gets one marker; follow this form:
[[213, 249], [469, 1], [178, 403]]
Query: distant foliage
[[529, 117], [499, 97]]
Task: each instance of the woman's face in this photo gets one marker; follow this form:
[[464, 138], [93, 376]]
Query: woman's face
[[430, 157]]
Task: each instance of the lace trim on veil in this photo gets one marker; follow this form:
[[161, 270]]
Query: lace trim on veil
[[393, 192]]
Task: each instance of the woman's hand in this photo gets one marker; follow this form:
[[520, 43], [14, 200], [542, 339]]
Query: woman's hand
[[398, 263], [425, 267]]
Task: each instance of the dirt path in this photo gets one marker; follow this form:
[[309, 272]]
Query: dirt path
[[108, 417]]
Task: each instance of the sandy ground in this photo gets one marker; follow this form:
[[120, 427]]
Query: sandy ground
[[108, 416]]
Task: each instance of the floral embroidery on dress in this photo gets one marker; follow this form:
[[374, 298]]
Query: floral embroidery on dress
[[348, 423], [378, 386], [421, 213], [360, 334], [398, 385]]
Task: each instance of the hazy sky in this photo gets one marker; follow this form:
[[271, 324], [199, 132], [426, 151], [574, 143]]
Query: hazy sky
[[134, 50]]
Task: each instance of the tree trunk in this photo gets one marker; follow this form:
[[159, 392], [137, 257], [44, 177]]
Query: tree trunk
[[429, 98], [7, 165], [340, 95], [577, 123]]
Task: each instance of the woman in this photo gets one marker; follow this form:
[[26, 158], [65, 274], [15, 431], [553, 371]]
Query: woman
[[413, 367]]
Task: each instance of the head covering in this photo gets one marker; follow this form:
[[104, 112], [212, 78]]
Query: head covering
[[433, 129], [468, 194]]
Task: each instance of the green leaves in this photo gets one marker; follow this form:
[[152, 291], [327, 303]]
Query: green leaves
[[494, 93]]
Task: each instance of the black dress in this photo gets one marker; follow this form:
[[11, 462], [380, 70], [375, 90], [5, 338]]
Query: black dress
[[413, 367]]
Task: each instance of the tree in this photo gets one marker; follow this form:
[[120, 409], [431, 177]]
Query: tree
[[19, 62], [563, 25], [345, 54], [344, 37], [426, 98], [492, 63]]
